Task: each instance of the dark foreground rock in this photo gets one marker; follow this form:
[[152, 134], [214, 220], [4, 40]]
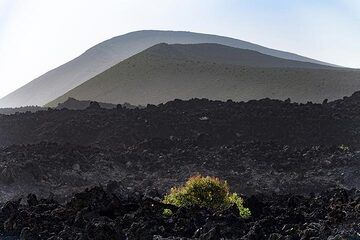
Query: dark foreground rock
[[114, 212]]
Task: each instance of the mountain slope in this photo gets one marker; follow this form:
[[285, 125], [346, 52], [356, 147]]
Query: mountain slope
[[108, 53], [213, 52], [164, 72]]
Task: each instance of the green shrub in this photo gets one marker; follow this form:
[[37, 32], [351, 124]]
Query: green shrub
[[209, 192], [167, 212]]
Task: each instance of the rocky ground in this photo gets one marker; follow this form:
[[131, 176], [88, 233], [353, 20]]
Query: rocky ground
[[249, 168], [115, 213], [210, 123], [297, 166]]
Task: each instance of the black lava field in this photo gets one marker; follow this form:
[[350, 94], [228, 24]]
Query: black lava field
[[102, 173]]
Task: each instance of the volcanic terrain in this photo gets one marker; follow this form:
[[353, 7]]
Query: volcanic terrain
[[296, 165]]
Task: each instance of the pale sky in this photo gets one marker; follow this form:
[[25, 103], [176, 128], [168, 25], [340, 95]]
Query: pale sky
[[39, 35]]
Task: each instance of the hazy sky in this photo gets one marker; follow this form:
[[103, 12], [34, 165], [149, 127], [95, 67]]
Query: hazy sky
[[38, 35]]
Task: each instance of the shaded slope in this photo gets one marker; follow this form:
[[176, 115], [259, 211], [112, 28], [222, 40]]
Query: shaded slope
[[217, 53], [108, 53], [165, 72]]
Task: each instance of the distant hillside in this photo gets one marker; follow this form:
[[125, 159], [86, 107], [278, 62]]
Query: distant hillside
[[108, 53], [8, 111], [70, 103], [74, 104], [165, 72]]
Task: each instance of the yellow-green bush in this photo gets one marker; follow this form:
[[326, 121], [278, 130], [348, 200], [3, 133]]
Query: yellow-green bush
[[209, 192], [167, 212]]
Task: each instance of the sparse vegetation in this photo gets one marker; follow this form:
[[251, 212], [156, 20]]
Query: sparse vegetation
[[208, 192], [344, 148], [167, 212]]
